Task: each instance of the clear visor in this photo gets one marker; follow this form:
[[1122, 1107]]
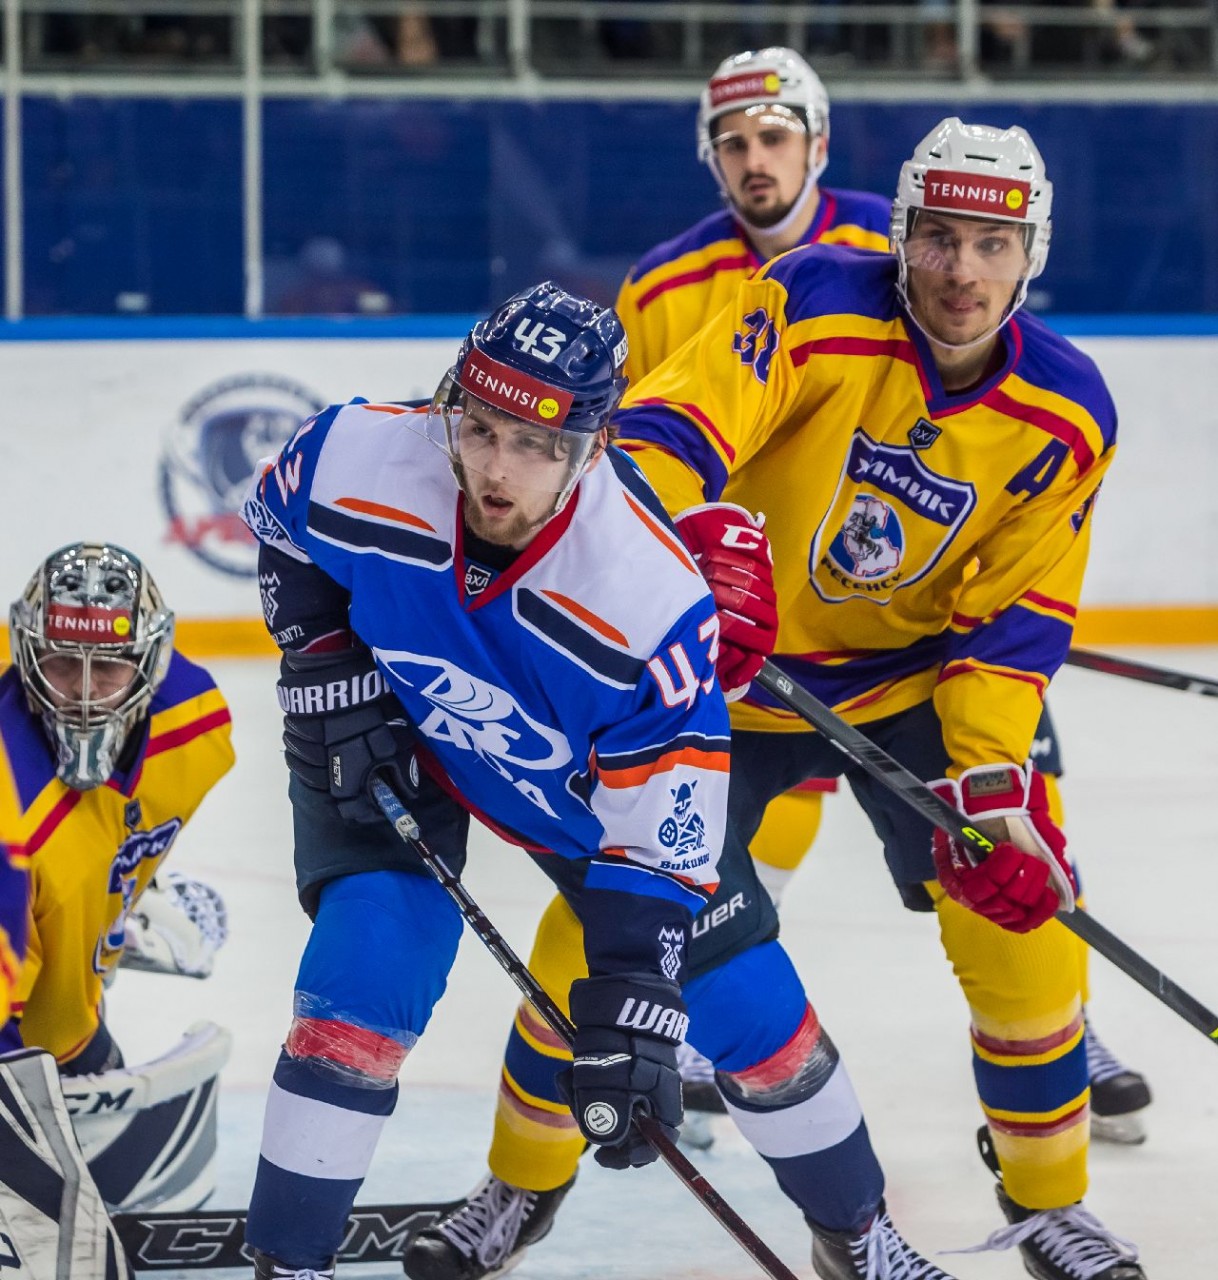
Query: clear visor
[[775, 126], [506, 463], [968, 249]]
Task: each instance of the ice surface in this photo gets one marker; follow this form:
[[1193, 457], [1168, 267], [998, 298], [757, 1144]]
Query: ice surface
[[1142, 767]]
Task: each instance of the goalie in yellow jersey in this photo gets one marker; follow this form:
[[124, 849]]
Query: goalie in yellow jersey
[[111, 739]]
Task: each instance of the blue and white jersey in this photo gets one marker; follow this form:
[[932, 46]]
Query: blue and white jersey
[[573, 701]]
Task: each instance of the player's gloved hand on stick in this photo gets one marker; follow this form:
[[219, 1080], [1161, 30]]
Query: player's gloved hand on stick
[[627, 1030], [731, 549], [1027, 877], [337, 730]]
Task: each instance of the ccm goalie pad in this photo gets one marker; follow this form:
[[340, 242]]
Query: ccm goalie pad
[[149, 1132], [53, 1224]]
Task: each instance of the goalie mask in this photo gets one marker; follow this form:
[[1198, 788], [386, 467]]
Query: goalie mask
[[970, 223], [522, 413], [777, 88], [92, 641]]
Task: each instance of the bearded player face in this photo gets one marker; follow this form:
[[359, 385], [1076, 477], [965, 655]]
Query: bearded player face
[[763, 153]]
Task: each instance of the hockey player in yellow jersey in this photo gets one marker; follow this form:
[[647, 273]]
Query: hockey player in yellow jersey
[[931, 431], [111, 739], [763, 132]]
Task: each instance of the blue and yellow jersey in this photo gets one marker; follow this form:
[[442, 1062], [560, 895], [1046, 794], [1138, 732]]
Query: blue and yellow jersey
[[90, 854], [925, 543], [679, 285], [14, 901]]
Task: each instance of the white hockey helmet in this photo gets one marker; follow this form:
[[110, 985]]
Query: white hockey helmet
[[92, 640], [775, 77], [758, 77], [979, 171]]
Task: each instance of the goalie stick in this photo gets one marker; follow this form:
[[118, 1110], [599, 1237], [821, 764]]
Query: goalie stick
[[1162, 676], [561, 1025], [857, 747], [209, 1240]]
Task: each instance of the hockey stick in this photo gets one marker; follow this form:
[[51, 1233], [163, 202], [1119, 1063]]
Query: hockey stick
[[213, 1239], [1143, 671], [561, 1025], [857, 747]]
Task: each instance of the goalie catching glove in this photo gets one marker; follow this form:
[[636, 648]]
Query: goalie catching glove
[[1026, 879], [177, 926], [733, 553], [339, 729], [625, 1051]]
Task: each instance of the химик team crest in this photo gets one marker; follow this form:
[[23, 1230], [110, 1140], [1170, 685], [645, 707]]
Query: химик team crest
[[901, 519]]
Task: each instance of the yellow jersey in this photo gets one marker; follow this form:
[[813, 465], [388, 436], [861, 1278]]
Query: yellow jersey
[[926, 544], [90, 854], [675, 288], [14, 897]]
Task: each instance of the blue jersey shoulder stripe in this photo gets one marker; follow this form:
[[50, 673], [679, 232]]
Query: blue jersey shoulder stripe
[[660, 425], [629, 877], [861, 209], [831, 279], [710, 230], [369, 535], [598, 657], [29, 753], [183, 680]]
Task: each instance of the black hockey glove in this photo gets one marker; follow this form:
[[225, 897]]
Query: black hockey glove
[[336, 730], [627, 1030]]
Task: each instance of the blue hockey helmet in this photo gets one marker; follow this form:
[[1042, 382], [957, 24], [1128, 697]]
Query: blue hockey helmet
[[572, 346], [549, 359]]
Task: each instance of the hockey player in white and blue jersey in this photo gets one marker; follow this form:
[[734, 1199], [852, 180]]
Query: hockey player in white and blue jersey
[[484, 599]]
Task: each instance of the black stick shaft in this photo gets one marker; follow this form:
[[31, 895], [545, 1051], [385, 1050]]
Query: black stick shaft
[[561, 1025], [1164, 677], [856, 746]]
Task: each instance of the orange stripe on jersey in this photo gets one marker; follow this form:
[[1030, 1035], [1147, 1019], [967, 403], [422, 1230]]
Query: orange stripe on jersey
[[1062, 428], [637, 775], [675, 545], [586, 616], [741, 262], [187, 732], [897, 348], [385, 408], [45, 829], [366, 508]]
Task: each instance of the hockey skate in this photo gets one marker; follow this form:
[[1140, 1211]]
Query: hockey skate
[[1057, 1244], [1118, 1095], [700, 1097], [486, 1235], [266, 1268], [877, 1253]]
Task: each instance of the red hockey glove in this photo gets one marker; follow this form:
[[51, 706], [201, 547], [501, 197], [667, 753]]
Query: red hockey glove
[[732, 551], [1027, 878]]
